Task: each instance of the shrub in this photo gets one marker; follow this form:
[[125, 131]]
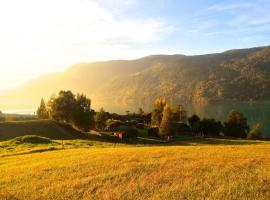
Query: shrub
[[255, 133], [33, 139]]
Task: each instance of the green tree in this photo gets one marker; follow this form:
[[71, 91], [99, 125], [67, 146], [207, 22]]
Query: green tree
[[166, 125], [236, 125], [256, 132], [210, 127], [100, 119], [193, 120], [83, 115], [157, 112], [62, 106], [72, 109], [42, 111]]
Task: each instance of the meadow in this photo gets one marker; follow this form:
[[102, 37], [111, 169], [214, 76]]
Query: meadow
[[91, 169]]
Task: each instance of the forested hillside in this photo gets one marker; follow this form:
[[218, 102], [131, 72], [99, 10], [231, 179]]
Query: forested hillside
[[232, 75]]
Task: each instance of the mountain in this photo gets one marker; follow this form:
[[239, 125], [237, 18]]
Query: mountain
[[242, 75]]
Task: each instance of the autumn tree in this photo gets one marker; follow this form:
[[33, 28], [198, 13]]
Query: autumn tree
[[158, 112], [42, 111], [166, 125]]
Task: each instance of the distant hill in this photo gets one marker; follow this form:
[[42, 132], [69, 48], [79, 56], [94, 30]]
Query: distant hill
[[44, 128], [242, 75]]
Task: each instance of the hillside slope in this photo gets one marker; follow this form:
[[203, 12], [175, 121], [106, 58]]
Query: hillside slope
[[232, 75], [44, 128]]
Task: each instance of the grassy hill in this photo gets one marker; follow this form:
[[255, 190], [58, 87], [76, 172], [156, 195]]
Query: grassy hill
[[44, 128], [232, 75], [197, 169]]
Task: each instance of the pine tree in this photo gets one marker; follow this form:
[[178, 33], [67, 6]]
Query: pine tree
[[42, 111]]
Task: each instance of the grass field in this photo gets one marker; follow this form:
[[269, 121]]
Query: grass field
[[86, 169]]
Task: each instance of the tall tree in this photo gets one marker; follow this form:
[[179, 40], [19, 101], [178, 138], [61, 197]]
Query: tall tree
[[166, 125], [236, 125], [100, 119], [158, 111], [42, 111]]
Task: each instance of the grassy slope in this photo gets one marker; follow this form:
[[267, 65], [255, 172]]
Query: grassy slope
[[87, 170], [44, 128]]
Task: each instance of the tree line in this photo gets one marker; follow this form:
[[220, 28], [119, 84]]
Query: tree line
[[165, 118], [75, 109]]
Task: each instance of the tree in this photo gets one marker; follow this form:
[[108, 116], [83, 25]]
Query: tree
[[62, 106], [193, 120], [236, 125], [83, 115], [72, 109], [256, 132], [157, 112], [100, 119], [42, 111], [179, 114], [166, 125], [210, 127]]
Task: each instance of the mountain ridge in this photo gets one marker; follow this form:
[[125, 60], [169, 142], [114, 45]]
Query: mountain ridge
[[239, 74]]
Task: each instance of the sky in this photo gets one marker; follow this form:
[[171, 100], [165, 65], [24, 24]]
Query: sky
[[42, 36]]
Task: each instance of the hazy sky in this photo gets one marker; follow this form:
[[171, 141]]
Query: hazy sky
[[39, 36]]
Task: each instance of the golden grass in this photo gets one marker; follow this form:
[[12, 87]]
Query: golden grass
[[164, 172]]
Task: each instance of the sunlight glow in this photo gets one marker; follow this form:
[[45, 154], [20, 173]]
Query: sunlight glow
[[38, 36]]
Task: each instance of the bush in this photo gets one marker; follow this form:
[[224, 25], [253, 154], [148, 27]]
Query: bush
[[255, 133], [33, 139]]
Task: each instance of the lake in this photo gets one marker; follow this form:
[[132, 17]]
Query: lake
[[256, 112]]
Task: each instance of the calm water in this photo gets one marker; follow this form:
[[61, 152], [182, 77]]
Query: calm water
[[258, 112]]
